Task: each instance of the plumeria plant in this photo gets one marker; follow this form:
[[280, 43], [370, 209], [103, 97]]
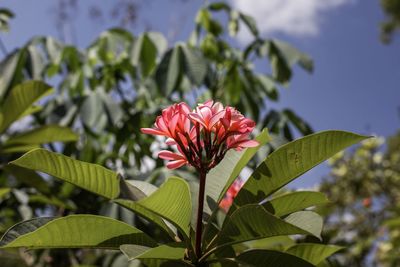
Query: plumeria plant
[[258, 227]]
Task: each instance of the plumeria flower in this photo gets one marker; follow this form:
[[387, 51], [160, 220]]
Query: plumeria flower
[[201, 136], [233, 190]]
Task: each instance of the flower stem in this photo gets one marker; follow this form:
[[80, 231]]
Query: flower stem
[[199, 223]]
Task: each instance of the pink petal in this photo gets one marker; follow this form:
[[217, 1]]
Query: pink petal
[[216, 117], [170, 142], [176, 164], [168, 155], [151, 131], [196, 117]]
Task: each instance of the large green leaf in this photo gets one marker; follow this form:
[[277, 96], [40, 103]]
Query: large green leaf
[[296, 201], [308, 221], [91, 177], [270, 258], [313, 253], [80, 231], [21, 99], [290, 161], [220, 178], [44, 134], [145, 213], [239, 228], [172, 201], [23, 228], [174, 251]]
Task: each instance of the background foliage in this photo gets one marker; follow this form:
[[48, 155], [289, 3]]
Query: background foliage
[[118, 84]]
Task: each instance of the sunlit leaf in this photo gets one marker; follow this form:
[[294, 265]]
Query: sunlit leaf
[[91, 177], [76, 231]]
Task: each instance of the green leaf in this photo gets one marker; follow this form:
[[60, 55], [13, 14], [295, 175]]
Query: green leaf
[[270, 258], [276, 242], [91, 177], [23, 228], [172, 201], [8, 69], [313, 253], [293, 56], [4, 191], [169, 71], [308, 221], [20, 99], [296, 201], [17, 149], [80, 231], [28, 178], [280, 67], [42, 135], [250, 23], [174, 251], [145, 213], [290, 161], [239, 228], [220, 178], [194, 64], [144, 54], [217, 6]]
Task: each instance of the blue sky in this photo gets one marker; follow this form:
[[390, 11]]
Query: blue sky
[[355, 85]]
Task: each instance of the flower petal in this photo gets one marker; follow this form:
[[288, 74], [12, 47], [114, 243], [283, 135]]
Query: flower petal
[[168, 155], [176, 164], [151, 131]]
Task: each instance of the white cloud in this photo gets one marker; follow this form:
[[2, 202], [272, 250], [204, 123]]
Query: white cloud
[[293, 17]]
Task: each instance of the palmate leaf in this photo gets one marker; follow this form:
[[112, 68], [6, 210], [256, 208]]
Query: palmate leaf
[[290, 161], [41, 135], [20, 99], [91, 177], [296, 201], [76, 231]]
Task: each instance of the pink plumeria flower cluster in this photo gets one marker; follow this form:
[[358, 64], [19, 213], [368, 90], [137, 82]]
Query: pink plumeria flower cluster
[[233, 190], [202, 136]]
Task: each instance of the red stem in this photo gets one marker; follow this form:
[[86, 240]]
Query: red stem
[[199, 223]]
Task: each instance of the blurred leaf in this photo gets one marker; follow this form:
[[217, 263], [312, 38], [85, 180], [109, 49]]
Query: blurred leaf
[[169, 71], [144, 54], [250, 23], [44, 134], [195, 65], [20, 99]]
